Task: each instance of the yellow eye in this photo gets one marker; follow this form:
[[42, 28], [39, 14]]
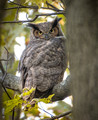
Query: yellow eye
[[37, 33], [40, 33], [52, 30]]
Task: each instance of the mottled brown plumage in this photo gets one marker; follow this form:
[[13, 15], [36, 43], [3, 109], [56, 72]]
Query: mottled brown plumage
[[44, 60]]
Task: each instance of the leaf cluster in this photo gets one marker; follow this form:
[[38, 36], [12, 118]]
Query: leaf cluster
[[18, 101]]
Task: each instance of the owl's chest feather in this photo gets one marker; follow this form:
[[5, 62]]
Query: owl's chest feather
[[50, 54], [43, 64]]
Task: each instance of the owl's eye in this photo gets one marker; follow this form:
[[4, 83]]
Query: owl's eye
[[54, 31], [40, 33], [37, 33]]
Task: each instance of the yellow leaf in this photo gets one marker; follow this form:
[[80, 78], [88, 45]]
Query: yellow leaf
[[46, 100], [28, 92]]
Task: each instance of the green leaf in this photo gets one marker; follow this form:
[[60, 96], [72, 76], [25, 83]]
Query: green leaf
[[47, 100], [10, 104], [28, 92]]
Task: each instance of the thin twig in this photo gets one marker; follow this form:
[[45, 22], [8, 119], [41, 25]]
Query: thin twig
[[16, 16], [33, 7], [41, 108], [63, 12], [27, 16], [5, 73], [51, 9], [6, 92], [48, 4], [30, 7], [61, 5], [4, 59], [59, 116], [46, 111], [7, 58], [33, 18], [13, 113], [6, 50], [1, 67]]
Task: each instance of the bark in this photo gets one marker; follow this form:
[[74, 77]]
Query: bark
[[60, 90], [82, 33]]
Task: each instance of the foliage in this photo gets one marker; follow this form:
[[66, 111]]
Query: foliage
[[18, 100], [13, 103]]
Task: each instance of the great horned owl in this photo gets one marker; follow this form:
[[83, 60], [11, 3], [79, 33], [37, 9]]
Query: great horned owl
[[44, 60]]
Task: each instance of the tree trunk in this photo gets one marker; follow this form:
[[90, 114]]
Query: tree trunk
[[82, 33], [2, 5]]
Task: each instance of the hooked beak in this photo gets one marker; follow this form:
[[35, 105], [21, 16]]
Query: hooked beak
[[46, 36]]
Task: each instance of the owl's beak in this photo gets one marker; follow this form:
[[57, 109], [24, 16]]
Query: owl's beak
[[46, 36]]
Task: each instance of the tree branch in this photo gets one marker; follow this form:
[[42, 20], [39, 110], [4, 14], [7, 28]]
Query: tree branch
[[11, 82], [59, 116], [48, 4], [1, 67], [33, 18], [32, 7], [60, 90]]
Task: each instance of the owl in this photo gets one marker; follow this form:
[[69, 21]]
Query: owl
[[44, 60]]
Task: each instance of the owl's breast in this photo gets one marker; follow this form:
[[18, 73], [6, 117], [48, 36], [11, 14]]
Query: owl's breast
[[47, 63], [51, 66], [55, 55]]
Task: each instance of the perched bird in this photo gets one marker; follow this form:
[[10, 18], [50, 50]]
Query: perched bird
[[44, 60]]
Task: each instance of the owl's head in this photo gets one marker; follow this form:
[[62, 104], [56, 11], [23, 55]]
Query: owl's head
[[46, 30]]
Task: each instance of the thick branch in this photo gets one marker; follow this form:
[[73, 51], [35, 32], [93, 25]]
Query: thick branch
[[11, 82], [61, 90]]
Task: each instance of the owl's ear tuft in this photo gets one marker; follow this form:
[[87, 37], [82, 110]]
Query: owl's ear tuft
[[34, 26], [55, 22]]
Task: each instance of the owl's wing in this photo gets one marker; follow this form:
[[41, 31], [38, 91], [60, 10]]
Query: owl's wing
[[22, 68], [28, 61]]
